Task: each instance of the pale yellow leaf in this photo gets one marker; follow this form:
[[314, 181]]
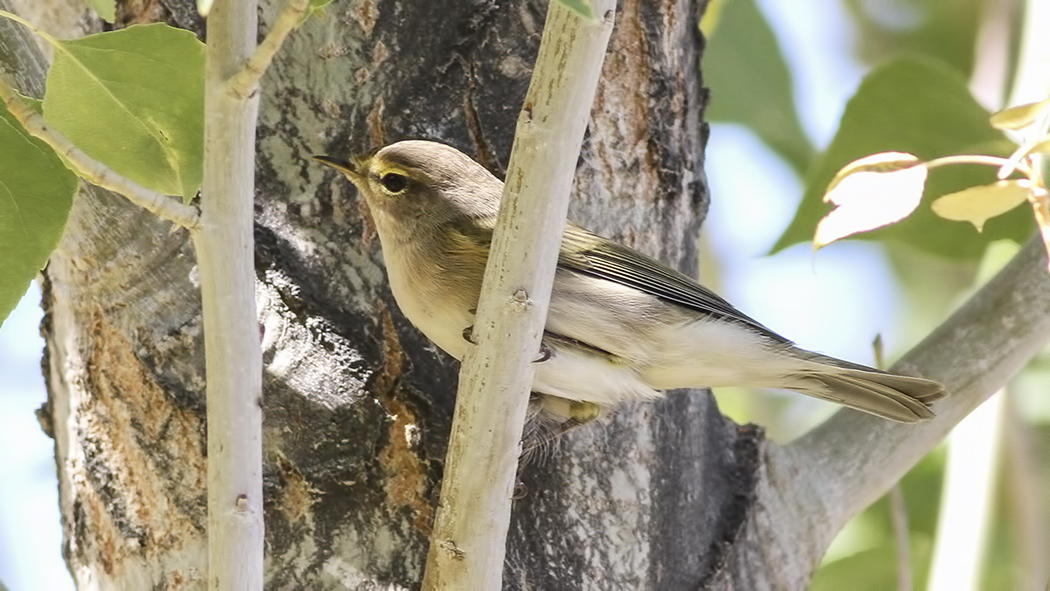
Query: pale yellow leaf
[[1041, 147], [979, 204], [1019, 116], [870, 200], [1040, 201], [881, 162]]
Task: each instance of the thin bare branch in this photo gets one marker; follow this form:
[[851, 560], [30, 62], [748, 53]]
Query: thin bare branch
[[93, 171], [467, 546], [225, 256], [244, 82], [1024, 494], [901, 534], [968, 501], [973, 353], [808, 489]]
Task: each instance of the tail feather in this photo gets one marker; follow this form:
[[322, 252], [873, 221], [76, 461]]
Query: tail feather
[[898, 398]]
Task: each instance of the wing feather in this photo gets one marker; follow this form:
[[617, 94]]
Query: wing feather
[[586, 252]]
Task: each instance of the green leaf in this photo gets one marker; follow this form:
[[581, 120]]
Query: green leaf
[[107, 9], [316, 7], [750, 82], [922, 107], [583, 8], [33, 103], [36, 192], [134, 99], [945, 31]]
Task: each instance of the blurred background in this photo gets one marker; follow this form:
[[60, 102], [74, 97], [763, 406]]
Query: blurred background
[[794, 97], [781, 75]]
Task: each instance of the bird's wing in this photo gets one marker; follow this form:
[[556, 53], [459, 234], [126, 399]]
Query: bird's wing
[[585, 252]]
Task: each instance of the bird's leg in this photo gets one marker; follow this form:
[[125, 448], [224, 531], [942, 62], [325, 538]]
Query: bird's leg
[[580, 414]]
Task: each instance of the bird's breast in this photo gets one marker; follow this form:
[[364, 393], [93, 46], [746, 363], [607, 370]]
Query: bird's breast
[[437, 291]]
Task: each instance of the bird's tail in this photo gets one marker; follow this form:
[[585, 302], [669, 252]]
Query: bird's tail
[[890, 396]]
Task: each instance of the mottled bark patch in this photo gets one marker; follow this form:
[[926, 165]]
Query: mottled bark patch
[[143, 490], [401, 457], [742, 475], [365, 14], [136, 12], [622, 106], [295, 495], [376, 128]]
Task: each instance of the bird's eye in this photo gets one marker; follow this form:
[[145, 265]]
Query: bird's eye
[[393, 182]]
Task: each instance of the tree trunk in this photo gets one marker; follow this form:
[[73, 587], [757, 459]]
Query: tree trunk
[[357, 403]]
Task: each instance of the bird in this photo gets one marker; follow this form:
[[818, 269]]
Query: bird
[[621, 326]]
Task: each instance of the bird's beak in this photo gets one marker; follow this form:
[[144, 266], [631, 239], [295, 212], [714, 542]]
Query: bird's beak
[[342, 165]]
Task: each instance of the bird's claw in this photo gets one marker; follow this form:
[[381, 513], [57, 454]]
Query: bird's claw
[[545, 353]]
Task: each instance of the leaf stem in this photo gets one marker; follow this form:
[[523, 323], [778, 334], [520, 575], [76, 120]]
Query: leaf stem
[[985, 159], [14, 17], [93, 171], [245, 81]]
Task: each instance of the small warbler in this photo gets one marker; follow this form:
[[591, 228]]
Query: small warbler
[[621, 326]]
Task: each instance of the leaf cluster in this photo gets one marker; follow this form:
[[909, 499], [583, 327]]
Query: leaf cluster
[[123, 110], [131, 98], [910, 102], [884, 188]]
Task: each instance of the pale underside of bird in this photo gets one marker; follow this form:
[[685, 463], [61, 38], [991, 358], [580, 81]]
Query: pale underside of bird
[[621, 326]]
